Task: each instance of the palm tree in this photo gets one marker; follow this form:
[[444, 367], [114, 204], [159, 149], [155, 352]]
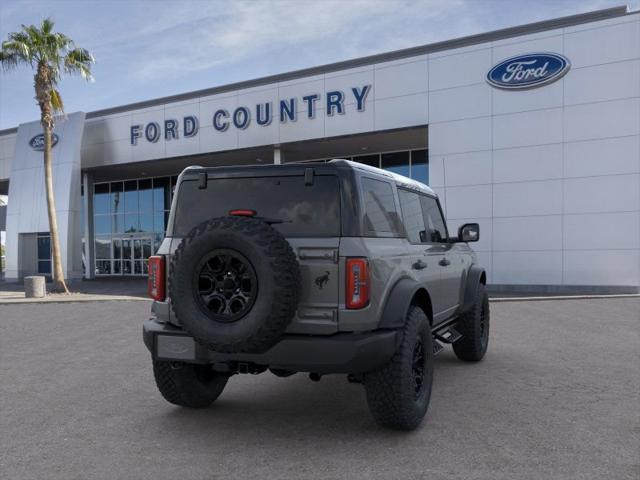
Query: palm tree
[[49, 54]]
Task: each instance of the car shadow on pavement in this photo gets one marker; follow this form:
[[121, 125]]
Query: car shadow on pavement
[[287, 409]]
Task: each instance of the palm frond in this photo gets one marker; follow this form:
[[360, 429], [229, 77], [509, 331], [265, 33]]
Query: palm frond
[[47, 26], [56, 101], [9, 61], [79, 61]]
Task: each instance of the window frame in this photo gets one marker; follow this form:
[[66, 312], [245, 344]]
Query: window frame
[[441, 212], [442, 217]]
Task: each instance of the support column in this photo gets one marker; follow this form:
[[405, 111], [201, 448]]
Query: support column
[[277, 155], [89, 254]]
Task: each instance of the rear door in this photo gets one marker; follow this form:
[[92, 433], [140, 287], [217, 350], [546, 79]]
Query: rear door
[[426, 255]]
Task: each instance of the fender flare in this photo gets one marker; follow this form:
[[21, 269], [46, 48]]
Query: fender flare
[[474, 278], [397, 304]]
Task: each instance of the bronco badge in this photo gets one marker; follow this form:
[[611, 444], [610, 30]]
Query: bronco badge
[[322, 280]]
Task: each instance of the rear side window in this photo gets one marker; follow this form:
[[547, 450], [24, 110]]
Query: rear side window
[[436, 229], [380, 214], [305, 210], [412, 215]]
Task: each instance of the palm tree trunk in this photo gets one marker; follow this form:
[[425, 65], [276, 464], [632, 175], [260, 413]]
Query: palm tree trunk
[[59, 284]]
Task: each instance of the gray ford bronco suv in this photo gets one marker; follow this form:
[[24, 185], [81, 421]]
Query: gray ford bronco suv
[[323, 268]]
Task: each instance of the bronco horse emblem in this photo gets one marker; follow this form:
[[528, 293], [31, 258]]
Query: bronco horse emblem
[[322, 280]]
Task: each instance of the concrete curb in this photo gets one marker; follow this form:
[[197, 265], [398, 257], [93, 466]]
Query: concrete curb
[[561, 297], [114, 298], [72, 299]]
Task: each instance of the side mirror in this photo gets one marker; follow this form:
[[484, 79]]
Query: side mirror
[[469, 232]]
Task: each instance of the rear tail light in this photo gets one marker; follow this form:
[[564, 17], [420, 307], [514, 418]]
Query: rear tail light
[[242, 212], [157, 277], [357, 283]]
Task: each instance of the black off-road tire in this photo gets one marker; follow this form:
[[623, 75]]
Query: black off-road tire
[[474, 328], [188, 385], [276, 273], [391, 391]]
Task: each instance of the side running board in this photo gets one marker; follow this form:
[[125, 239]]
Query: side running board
[[446, 335]]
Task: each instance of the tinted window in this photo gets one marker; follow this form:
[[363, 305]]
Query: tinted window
[[436, 230], [101, 198], [373, 160], [397, 162], [381, 215], [306, 210], [420, 166], [412, 215]]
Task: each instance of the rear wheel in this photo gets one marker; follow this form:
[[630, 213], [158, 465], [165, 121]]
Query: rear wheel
[[187, 385], [474, 328], [398, 394]]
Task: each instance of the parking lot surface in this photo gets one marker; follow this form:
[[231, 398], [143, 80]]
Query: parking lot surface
[[557, 397]]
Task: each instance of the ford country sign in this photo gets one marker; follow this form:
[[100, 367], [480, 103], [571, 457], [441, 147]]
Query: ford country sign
[[37, 142], [528, 71]]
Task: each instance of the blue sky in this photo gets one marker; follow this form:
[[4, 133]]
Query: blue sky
[[149, 49]]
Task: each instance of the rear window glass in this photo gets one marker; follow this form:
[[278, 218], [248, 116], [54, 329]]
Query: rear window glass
[[306, 210]]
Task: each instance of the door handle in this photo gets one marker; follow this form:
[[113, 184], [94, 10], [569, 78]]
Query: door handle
[[419, 265], [444, 262]]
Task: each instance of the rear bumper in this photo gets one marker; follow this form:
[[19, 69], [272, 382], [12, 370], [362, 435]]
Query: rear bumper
[[339, 353]]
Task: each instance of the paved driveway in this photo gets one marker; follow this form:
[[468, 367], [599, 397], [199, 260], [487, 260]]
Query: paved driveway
[[557, 397]]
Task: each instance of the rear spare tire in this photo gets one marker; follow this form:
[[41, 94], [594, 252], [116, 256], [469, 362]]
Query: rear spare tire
[[234, 284]]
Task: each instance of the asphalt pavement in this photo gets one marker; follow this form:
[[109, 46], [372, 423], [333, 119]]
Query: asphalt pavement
[[557, 397]]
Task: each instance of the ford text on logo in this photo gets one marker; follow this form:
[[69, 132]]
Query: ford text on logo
[[285, 110], [528, 71], [37, 142]]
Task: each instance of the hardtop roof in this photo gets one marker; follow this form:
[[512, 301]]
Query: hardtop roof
[[320, 167]]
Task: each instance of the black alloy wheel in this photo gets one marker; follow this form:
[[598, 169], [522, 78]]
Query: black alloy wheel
[[225, 285], [418, 366]]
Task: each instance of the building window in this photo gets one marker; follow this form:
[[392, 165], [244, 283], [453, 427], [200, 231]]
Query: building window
[[371, 160], [44, 253], [413, 164], [130, 218], [397, 162], [420, 166]]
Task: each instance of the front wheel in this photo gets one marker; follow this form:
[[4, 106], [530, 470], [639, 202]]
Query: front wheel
[[398, 394], [474, 328], [188, 385]]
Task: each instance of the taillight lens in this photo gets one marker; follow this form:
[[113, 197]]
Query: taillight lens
[[156, 277], [357, 283], [242, 212]]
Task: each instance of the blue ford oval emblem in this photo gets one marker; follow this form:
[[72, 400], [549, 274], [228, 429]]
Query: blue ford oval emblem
[[528, 71], [37, 142]]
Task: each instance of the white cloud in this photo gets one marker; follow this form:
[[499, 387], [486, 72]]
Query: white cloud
[[185, 39]]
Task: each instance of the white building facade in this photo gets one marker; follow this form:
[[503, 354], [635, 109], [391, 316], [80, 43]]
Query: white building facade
[[532, 131]]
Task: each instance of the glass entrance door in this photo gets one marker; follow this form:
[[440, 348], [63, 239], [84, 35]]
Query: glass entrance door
[[131, 255], [141, 253]]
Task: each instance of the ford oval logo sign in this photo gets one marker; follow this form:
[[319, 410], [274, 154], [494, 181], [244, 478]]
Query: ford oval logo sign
[[528, 71], [37, 142]]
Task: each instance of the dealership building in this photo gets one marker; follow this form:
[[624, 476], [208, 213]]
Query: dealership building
[[531, 131]]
